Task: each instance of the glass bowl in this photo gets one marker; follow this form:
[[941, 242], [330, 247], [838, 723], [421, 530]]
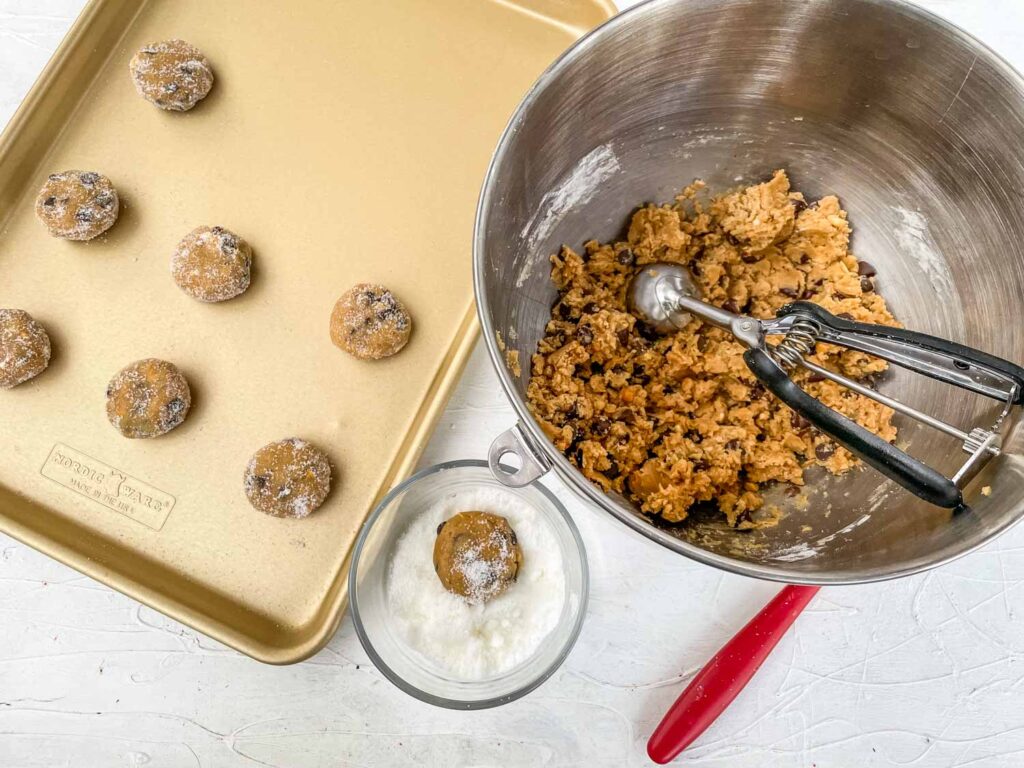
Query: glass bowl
[[375, 623]]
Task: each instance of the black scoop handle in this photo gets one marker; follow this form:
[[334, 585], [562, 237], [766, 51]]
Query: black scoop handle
[[916, 477], [932, 356]]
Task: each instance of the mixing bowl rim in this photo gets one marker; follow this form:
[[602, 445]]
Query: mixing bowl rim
[[557, 461], [442, 701]]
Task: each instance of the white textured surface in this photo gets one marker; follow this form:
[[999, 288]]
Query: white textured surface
[[925, 672]]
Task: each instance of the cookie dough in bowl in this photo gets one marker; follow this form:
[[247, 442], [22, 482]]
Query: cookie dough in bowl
[[855, 116], [678, 420]]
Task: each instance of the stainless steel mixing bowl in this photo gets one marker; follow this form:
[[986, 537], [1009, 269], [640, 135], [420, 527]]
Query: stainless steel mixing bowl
[[916, 126]]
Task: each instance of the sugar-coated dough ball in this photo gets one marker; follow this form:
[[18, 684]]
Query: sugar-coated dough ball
[[77, 205], [370, 322], [171, 74], [289, 478], [212, 264], [24, 348], [148, 398], [477, 555]]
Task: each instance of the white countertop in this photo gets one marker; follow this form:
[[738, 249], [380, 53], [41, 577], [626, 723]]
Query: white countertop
[[925, 672]]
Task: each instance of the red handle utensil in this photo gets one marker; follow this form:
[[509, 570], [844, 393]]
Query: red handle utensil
[[722, 678]]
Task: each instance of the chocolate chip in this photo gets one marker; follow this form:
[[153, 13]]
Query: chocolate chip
[[730, 306], [625, 415], [732, 445], [668, 389], [805, 259], [866, 285], [866, 270], [564, 311], [613, 471], [441, 525], [84, 215], [695, 269], [601, 426], [228, 244], [702, 343], [625, 258], [790, 292], [824, 450], [105, 200], [596, 369], [89, 178], [647, 333], [50, 201], [171, 88], [623, 336], [54, 177], [757, 391], [174, 410], [813, 377], [584, 335], [513, 538], [799, 206], [262, 481], [792, 490], [590, 308], [749, 258], [798, 421], [808, 293]]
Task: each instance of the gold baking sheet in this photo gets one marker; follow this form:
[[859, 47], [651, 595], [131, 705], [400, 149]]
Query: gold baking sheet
[[346, 141]]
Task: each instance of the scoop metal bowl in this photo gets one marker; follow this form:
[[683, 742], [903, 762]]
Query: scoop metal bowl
[[916, 125]]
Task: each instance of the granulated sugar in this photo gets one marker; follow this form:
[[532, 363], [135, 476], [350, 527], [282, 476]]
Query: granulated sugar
[[476, 641]]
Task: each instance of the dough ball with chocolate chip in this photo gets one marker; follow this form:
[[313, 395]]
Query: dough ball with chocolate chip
[[171, 74], [77, 205], [212, 264], [24, 348], [148, 398], [289, 478], [477, 555], [369, 322]]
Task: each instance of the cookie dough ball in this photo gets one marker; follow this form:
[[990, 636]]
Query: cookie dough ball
[[477, 555], [289, 478], [171, 74], [369, 322], [77, 205], [212, 264], [148, 398], [24, 348]]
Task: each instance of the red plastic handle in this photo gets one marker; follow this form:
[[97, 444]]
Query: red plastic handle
[[722, 678]]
